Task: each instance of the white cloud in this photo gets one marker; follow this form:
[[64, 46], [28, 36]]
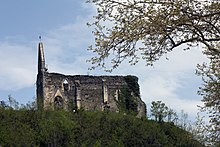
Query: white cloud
[[65, 49], [164, 88], [65, 52], [17, 70], [172, 81]]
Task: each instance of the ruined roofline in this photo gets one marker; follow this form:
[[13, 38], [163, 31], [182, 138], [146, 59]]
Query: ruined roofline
[[42, 66], [90, 92], [79, 75]]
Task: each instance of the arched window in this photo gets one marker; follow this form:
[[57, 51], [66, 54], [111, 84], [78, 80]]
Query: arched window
[[58, 103], [65, 85]]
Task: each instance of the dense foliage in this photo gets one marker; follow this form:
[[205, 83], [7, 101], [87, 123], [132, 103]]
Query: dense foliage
[[127, 103], [210, 91], [134, 30], [133, 85], [129, 95], [159, 110], [61, 128], [148, 29]]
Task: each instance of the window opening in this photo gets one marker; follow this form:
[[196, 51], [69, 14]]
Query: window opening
[[65, 85], [58, 103]]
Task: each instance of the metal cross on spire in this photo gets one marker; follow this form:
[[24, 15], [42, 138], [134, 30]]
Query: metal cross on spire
[[40, 38]]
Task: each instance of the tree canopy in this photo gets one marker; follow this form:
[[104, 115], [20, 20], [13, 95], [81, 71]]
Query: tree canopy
[[84, 128], [159, 110], [210, 91], [135, 30], [148, 29]]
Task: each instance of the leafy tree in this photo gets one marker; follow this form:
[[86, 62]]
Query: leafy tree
[[148, 29], [3, 105], [127, 102], [200, 130], [171, 115], [183, 120], [211, 94], [13, 103], [56, 129], [159, 110], [31, 105], [84, 128], [16, 128]]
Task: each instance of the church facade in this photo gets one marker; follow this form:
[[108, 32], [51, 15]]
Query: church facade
[[72, 92]]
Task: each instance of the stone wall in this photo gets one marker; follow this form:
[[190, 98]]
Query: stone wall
[[72, 92]]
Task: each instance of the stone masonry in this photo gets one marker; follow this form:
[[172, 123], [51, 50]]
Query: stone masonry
[[72, 92]]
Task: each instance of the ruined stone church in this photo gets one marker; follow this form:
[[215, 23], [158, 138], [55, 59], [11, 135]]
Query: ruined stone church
[[72, 92]]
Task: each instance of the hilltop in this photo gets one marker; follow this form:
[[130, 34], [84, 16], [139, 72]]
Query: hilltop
[[86, 128]]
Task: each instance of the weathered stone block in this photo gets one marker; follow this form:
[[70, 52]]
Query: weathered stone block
[[72, 92]]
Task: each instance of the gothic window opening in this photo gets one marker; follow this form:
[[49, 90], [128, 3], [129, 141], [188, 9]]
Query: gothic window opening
[[58, 103], [65, 85]]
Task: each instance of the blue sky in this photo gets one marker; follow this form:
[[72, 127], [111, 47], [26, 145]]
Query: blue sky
[[62, 25]]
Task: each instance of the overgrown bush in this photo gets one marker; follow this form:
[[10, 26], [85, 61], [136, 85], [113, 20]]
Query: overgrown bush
[[84, 128]]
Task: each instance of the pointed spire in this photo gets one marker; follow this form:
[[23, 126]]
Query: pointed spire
[[41, 59]]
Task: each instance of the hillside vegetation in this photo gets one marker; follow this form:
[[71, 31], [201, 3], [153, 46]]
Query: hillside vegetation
[[83, 128]]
